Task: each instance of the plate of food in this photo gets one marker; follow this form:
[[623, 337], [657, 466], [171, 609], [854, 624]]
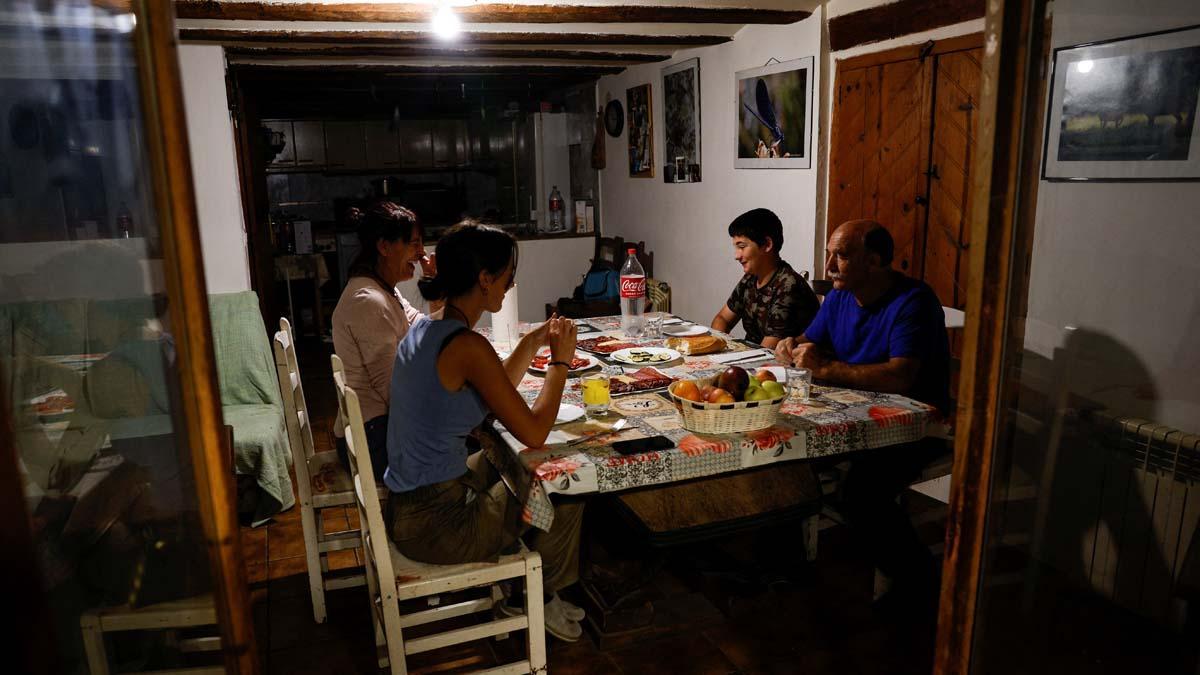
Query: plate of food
[[645, 379], [606, 344], [579, 363], [684, 330], [645, 356]]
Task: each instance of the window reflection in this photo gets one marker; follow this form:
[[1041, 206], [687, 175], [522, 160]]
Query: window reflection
[[87, 358]]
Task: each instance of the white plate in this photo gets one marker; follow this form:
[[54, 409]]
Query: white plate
[[684, 330], [657, 356], [568, 413], [592, 362]]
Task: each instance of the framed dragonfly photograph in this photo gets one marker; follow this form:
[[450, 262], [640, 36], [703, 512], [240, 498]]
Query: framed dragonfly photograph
[[775, 116]]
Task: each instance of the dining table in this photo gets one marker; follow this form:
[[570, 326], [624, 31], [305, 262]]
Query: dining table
[[578, 457]]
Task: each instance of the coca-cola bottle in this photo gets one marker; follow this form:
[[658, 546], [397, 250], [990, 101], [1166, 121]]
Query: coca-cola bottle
[[633, 295]]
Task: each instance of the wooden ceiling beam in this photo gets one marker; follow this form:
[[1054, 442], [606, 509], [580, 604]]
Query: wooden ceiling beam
[[401, 52], [899, 18], [405, 69], [383, 37], [404, 12]]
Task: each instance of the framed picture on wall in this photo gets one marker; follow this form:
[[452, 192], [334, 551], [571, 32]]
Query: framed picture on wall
[[681, 119], [774, 116], [1125, 109], [641, 131]]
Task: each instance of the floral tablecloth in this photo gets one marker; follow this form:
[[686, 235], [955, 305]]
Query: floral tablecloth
[[835, 421]]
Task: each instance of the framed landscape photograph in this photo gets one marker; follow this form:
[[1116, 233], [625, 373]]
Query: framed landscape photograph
[[1125, 109], [681, 115], [641, 131], [774, 116]]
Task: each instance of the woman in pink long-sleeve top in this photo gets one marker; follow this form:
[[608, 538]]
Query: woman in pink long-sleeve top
[[372, 317]]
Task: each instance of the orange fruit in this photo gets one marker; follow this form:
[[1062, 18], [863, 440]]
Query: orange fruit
[[687, 389]]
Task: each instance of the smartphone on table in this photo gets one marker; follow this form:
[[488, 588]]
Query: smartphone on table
[[638, 446]]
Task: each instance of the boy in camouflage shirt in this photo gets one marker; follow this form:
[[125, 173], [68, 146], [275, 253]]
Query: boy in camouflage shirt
[[772, 301]]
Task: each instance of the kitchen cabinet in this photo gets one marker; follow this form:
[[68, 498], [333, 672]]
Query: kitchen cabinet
[[443, 143], [462, 144], [383, 144], [287, 156], [310, 143], [344, 147], [416, 144]]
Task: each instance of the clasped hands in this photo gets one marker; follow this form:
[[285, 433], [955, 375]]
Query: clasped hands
[[804, 355], [559, 334]]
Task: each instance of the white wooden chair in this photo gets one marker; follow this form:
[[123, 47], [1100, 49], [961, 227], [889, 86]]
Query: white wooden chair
[[186, 613], [322, 480], [392, 578]]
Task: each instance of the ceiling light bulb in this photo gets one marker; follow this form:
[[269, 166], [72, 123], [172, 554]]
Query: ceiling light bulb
[[1084, 66], [445, 23]]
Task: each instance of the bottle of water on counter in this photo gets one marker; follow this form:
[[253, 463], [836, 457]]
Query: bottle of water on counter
[[633, 295]]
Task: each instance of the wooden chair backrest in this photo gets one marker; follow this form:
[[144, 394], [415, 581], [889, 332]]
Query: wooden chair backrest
[[295, 406], [378, 563]]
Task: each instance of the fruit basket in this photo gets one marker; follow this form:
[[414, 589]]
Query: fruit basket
[[726, 418]]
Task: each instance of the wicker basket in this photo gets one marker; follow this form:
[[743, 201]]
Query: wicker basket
[[726, 418]]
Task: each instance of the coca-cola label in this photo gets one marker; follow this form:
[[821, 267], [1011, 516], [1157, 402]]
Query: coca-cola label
[[633, 287]]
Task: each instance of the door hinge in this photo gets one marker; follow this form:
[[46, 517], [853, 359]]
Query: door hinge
[[925, 49]]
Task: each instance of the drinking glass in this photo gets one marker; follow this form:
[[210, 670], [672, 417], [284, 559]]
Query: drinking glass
[[799, 382], [596, 396], [654, 324]]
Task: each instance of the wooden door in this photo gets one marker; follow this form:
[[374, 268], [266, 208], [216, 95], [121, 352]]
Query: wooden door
[[903, 130], [881, 121], [956, 96]]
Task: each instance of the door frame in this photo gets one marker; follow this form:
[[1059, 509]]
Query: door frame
[[1004, 195]]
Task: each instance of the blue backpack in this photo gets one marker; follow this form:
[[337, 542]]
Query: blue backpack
[[601, 283]]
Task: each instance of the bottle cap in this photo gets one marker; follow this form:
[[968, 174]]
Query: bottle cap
[[631, 249]]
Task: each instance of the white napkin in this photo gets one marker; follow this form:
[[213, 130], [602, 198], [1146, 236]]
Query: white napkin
[[505, 324], [750, 355]]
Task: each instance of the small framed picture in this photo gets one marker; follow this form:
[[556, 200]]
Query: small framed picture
[[1125, 109]]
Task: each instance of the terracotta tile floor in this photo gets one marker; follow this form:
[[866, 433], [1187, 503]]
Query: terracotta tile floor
[[814, 619]]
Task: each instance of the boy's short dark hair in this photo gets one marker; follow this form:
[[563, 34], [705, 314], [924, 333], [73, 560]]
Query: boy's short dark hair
[[757, 225]]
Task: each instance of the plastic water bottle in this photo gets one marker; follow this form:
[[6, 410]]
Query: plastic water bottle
[[633, 295], [556, 210]]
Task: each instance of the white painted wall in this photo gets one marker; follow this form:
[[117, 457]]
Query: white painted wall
[[547, 270], [214, 169], [685, 225], [1122, 259]]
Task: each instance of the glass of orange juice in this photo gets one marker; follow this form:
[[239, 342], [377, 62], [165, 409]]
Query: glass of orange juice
[[596, 395]]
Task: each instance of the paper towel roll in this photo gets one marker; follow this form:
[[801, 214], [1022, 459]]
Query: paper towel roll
[[506, 326]]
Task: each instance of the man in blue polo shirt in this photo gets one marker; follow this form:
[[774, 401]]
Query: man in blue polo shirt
[[880, 330]]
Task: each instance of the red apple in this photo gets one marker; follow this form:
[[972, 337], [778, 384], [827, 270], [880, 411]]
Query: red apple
[[734, 380], [763, 375]]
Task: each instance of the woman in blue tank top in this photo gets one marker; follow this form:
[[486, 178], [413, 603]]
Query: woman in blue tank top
[[447, 503]]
